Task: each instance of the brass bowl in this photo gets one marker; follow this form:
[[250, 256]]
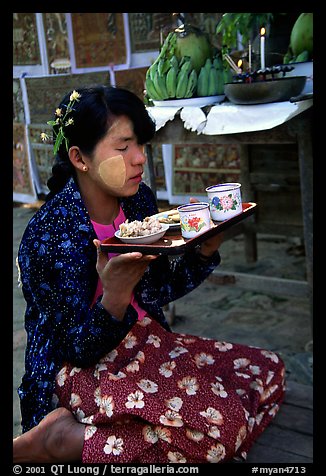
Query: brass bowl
[[262, 92]]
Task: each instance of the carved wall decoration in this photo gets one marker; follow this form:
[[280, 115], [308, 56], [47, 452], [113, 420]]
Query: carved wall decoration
[[146, 30], [132, 79], [57, 45], [45, 94], [26, 50], [22, 180], [99, 39], [18, 105]]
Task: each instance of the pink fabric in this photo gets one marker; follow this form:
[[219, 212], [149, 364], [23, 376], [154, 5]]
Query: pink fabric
[[107, 231], [163, 397]]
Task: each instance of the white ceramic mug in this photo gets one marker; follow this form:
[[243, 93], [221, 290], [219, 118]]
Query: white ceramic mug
[[224, 200], [194, 219]]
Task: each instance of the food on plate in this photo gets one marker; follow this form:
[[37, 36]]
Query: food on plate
[[148, 226], [169, 217]]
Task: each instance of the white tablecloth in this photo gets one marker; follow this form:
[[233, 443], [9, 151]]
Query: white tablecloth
[[229, 118]]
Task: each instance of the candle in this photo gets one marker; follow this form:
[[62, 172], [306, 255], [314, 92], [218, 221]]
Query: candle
[[239, 65], [249, 54], [262, 48]]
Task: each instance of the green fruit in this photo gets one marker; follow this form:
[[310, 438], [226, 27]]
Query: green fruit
[[171, 82], [227, 76], [192, 83], [302, 57], [152, 70], [193, 42], [151, 91], [301, 38], [174, 62], [220, 82], [287, 57], [202, 83], [217, 63], [212, 82], [186, 67], [159, 84], [182, 83]]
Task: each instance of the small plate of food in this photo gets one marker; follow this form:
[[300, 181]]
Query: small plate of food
[[169, 217], [143, 232]]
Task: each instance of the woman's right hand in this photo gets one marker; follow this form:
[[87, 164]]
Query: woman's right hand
[[119, 276]]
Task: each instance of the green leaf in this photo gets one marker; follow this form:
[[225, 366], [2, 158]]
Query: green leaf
[[57, 143], [51, 123]]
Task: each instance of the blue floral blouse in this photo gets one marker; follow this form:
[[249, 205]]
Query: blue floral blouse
[[57, 261]]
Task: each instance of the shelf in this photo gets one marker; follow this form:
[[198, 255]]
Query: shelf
[[206, 170]]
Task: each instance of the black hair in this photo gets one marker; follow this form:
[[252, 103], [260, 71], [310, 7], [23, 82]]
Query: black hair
[[92, 115]]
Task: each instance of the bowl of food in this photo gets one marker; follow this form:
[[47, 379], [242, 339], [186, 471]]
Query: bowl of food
[[262, 92], [143, 232]]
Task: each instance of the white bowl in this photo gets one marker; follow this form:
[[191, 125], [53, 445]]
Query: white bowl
[[224, 200], [143, 240]]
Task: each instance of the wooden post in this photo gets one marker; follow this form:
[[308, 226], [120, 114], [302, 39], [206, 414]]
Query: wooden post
[[250, 236]]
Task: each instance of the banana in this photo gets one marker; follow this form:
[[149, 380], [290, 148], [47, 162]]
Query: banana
[[220, 81], [191, 85], [182, 82], [184, 70], [227, 76], [166, 52], [208, 64], [168, 45], [174, 62], [186, 67], [163, 66], [212, 82], [217, 63], [202, 83], [152, 70], [171, 81], [151, 91], [159, 83], [183, 60]]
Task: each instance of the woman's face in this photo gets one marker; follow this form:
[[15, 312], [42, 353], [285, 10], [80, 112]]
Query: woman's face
[[118, 160]]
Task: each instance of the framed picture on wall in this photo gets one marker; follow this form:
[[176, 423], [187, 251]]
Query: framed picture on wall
[[97, 40], [26, 49], [57, 44], [132, 79], [42, 155], [23, 184], [148, 29]]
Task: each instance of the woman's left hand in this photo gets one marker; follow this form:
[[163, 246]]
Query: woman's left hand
[[209, 246]]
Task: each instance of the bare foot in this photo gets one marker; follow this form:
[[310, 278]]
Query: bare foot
[[57, 438]]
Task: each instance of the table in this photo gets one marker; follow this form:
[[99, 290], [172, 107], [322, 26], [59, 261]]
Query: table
[[244, 125]]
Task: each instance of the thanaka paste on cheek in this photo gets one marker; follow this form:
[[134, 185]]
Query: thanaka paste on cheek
[[113, 171]]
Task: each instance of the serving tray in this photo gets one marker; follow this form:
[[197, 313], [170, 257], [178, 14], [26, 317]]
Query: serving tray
[[172, 242]]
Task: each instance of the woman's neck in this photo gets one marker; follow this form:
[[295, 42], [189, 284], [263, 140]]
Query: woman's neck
[[102, 208], [104, 213]]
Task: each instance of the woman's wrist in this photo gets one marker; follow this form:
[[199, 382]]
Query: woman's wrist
[[204, 255], [205, 252], [116, 309]]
